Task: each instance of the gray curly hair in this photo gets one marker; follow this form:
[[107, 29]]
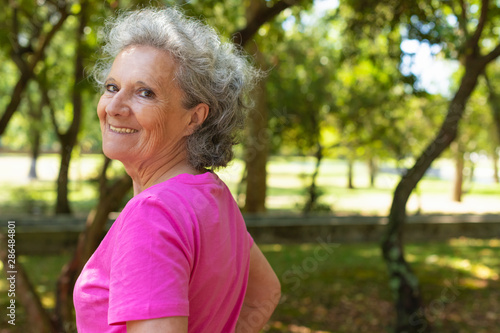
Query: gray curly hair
[[209, 71]]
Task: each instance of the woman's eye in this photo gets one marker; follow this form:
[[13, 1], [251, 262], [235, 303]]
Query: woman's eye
[[111, 88], [146, 93]]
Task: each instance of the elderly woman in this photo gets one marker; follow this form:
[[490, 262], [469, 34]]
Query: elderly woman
[[179, 257]]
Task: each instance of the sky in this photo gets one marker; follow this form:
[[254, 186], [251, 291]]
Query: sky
[[433, 74]]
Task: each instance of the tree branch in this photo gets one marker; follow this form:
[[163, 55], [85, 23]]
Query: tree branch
[[17, 51], [462, 19], [103, 179], [15, 29], [495, 106], [78, 74], [495, 53], [263, 15], [47, 102], [45, 40], [28, 74], [472, 47]]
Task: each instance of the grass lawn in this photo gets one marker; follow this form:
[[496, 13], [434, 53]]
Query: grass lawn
[[344, 288]]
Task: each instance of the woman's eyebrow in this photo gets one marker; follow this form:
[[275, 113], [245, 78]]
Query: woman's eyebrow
[[153, 85], [143, 83]]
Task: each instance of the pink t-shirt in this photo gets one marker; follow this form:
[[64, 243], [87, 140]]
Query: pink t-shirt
[[179, 248]]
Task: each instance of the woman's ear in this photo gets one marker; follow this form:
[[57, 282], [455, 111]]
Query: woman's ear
[[198, 115]]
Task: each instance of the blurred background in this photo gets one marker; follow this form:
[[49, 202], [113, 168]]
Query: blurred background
[[367, 171]]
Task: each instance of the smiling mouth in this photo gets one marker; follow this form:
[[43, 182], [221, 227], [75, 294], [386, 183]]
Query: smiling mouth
[[122, 130]]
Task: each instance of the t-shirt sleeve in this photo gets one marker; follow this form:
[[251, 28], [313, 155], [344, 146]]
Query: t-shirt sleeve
[[150, 265]]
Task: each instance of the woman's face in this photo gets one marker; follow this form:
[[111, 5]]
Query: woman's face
[[140, 111]]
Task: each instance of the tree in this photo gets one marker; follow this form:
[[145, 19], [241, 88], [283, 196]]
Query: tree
[[409, 306], [27, 43], [465, 32], [298, 86], [257, 144], [241, 23], [35, 113], [494, 100], [68, 139], [476, 136], [34, 36], [258, 14], [336, 93]]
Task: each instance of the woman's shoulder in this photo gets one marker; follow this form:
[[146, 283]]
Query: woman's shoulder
[[176, 198], [183, 190], [152, 214]]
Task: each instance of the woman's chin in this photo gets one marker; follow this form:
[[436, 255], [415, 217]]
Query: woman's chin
[[115, 154]]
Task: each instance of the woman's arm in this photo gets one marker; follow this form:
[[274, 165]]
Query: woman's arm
[[160, 325], [261, 298], [262, 295]]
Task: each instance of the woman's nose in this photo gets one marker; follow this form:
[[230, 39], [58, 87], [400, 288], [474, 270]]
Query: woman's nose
[[118, 105]]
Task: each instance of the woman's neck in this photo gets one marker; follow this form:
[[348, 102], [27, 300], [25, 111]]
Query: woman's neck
[[157, 170]]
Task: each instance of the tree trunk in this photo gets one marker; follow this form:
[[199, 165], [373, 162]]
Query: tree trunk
[[62, 202], [241, 189], [471, 175], [256, 152], [69, 139], [459, 173], [34, 127], [110, 197], [494, 101], [495, 166], [256, 145], [350, 173], [35, 152], [14, 100], [372, 169], [313, 190], [403, 282]]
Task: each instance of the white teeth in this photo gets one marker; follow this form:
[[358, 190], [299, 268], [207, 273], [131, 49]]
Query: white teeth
[[122, 129]]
